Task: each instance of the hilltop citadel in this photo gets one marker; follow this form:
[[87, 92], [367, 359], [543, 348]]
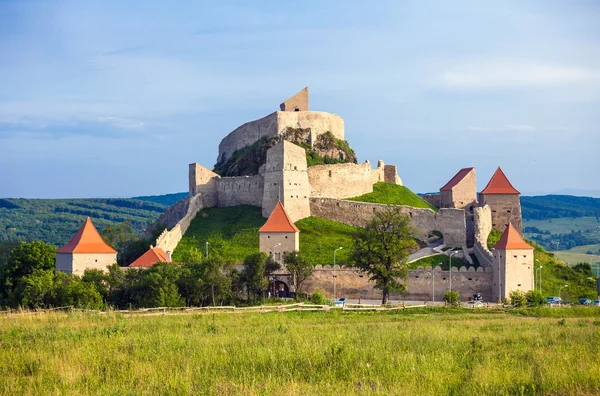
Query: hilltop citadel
[[288, 190]]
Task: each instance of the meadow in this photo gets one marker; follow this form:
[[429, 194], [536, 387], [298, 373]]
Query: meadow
[[441, 352]]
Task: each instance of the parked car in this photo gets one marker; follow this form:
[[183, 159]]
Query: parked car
[[585, 301], [340, 302], [596, 303], [553, 300], [477, 297], [475, 304]]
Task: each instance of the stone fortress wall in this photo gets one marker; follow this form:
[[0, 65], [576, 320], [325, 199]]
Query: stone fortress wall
[[506, 208], [184, 212], [352, 283], [450, 222], [482, 226]]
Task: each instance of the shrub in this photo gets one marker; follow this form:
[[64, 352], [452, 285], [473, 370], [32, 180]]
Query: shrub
[[451, 297], [517, 298], [535, 298], [318, 297]]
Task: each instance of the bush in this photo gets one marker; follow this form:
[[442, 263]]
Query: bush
[[517, 298], [535, 298], [318, 297], [451, 297]]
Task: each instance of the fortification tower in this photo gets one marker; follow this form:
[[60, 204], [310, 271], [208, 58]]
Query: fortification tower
[[286, 180], [86, 250], [513, 263], [504, 201], [298, 102], [461, 191], [279, 234]]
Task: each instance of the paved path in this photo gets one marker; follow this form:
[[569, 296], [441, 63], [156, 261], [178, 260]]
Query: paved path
[[425, 252]]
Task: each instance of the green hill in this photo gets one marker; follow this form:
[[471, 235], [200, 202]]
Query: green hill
[[392, 194], [555, 206], [55, 221], [166, 199]]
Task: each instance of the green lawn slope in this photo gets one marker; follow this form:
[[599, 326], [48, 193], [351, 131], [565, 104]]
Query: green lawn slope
[[234, 233], [393, 194]]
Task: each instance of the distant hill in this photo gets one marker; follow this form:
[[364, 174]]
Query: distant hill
[[166, 199], [555, 206], [55, 221]]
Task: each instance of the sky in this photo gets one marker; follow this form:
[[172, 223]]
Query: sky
[[116, 98]]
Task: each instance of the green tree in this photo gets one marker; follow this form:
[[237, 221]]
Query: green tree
[[191, 284], [215, 279], [517, 298], [535, 298], [584, 268], [35, 290], [451, 297], [157, 287], [70, 290], [97, 278], [299, 268], [257, 268], [24, 260], [381, 249]]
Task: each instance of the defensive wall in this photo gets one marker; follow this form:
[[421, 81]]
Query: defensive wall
[[506, 208], [169, 239], [450, 222], [240, 190], [276, 123], [352, 283], [482, 226]]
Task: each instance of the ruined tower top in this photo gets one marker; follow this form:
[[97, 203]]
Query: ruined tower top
[[298, 102]]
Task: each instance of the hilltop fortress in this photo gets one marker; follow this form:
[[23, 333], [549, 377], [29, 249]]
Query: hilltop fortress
[[464, 218]]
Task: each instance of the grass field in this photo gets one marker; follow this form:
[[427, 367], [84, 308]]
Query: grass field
[[332, 353], [392, 194], [563, 225]]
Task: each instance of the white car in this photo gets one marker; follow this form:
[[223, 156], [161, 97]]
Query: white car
[[475, 304]]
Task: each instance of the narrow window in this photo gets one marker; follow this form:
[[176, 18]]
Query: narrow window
[[329, 173]]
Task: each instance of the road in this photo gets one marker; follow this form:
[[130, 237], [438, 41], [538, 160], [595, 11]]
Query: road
[[425, 252]]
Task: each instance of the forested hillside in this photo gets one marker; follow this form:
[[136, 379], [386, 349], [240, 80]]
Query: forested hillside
[[55, 221], [555, 206]]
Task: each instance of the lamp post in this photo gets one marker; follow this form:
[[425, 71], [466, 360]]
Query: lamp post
[[273, 248], [451, 269], [559, 290], [206, 249], [499, 276], [540, 275], [334, 273]]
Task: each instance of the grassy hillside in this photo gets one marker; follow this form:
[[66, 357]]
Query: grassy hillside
[[234, 232], [568, 232], [555, 206], [392, 194], [55, 221]]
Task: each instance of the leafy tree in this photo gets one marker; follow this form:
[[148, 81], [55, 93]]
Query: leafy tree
[[217, 282], [257, 268], [381, 249], [71, 291], [35, 290], [299, 268], [157, 287], [517, 298], [97, 278], [191, 284], [584, 268], [24, 260], [451, 297]]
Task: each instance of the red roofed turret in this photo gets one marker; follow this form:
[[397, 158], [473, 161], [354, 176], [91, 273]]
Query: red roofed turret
[[87, 240], [499, 184], [511, 239], [279, 221]]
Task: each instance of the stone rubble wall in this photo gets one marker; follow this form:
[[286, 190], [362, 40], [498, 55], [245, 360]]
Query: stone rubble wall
[[482, 226], [203, 181], [240, 190], [450, 222], [298, 102], [343, 180], [352, 283], [506, 208], [276, 123]]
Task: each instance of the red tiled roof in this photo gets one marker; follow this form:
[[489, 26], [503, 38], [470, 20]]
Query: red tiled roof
[[456, 179], [499, 184], [87, 240], [151, 257], [279, 221], [511, 239]]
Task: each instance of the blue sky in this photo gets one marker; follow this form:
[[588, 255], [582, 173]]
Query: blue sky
[[108, 98]]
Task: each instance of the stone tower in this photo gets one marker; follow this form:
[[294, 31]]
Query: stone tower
[[286, 180], [279, 234], [461, 191], [513, 264], [504, 200], [298, 102], [87, 250]]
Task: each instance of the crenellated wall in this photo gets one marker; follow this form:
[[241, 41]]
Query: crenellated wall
[[352, 283], [169, 239], [450, 222], [276, 123], [482, 226], [241, 190]]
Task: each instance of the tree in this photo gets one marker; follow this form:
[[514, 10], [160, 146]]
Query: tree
[[535, 298], [157, 287], [299, 268], [215, 279], [35, 290], [254, 274], [517, 298], [451, 297], [381, 249]]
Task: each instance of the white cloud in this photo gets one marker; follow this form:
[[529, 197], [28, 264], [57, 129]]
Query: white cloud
[[505, 128], [511, 74]]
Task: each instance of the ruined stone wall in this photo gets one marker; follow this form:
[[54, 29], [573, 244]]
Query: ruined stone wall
[[203, 181], [277, 123], [434, 199], [298, 102], [342, 180], [170, 217], [351, 283], [286, 178], [391, 175], [506, 208], [482, 226], [240, 190], [450, 222]]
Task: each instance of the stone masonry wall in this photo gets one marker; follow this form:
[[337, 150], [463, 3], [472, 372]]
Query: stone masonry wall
[[506, 208], [298, 102], [277, 123], [351, 283], [342, 180], [241, 190], [450, 222], [203, 181], [169, 239], [463, 195], [482, 226]]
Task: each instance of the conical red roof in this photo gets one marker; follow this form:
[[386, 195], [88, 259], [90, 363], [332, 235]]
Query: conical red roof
[[87, 240], [511, 239], [151, 257], [279, 221], [499, 184]]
